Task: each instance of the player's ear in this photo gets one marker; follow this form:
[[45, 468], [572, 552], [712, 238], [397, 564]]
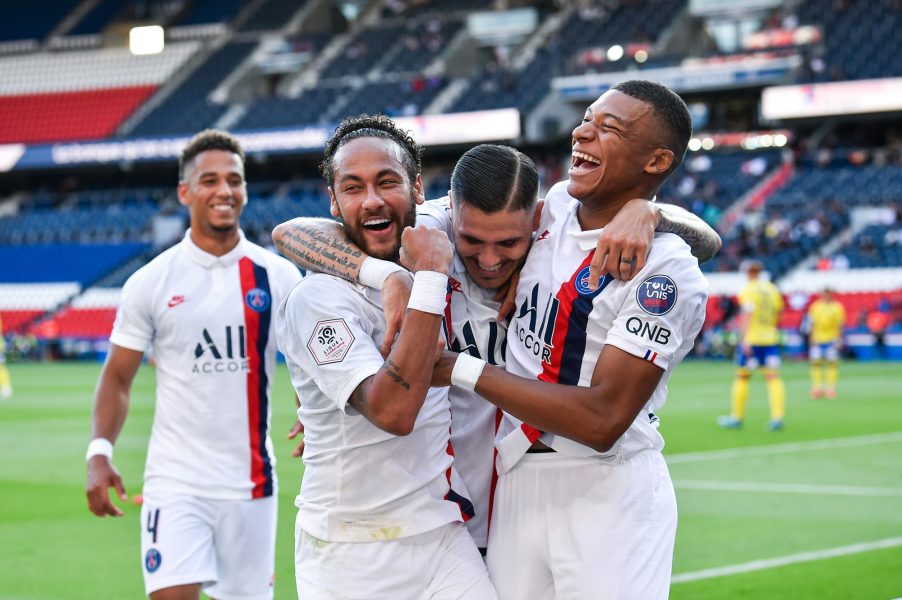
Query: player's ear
[[537, 217], [333, 203], [418, 190], [660, 162], [182, 191]]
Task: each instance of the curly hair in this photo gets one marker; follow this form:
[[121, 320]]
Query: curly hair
[[209, 139], [378, 126]]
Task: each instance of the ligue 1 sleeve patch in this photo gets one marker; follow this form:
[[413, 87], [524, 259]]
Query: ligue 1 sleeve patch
[[330, 342], [657, 295]]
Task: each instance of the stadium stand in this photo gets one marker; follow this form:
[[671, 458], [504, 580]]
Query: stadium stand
[[79, 95], [28, 20], [188, 107], [810, 211]]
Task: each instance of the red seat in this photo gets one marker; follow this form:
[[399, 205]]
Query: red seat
[[65, 116]]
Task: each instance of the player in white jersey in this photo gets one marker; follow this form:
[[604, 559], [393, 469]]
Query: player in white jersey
[[379, 491], [494, 215], [584, 506], [206, 305]]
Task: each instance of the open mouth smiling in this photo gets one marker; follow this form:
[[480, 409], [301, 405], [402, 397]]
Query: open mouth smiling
[[583, 162], [377, 224]]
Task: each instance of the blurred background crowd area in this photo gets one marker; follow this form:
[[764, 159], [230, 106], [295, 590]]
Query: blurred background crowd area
[[796, 158]]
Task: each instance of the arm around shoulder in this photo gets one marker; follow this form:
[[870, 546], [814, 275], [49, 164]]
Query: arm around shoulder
[[702, 239]]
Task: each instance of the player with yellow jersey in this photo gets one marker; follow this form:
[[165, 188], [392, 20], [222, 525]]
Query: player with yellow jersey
[[761, 304], [827, 317], [6, 386]]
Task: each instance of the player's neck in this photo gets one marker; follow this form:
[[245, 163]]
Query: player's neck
[[595, 213], [217, 243]]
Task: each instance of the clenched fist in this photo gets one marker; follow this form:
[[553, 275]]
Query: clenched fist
[[425, 249]]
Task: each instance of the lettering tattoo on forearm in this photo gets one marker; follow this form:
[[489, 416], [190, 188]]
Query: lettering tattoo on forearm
[[311, 249], [703, 241], [394, 372]]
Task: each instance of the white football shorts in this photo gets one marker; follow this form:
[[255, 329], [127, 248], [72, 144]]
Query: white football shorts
[[580, 527], [228, 546], [441, 564]]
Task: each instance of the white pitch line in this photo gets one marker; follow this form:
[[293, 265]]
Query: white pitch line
[[786, 488], [828, 444], [770, 563]]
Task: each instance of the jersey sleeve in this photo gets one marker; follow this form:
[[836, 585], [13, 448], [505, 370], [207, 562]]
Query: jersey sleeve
[[663, 307], [437, 214], [332, 341], [134, 327], [286, 276]]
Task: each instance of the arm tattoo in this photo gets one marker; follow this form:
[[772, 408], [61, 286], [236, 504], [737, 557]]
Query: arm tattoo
[[311, 249], [394, 372], [358, 396], [702, 239]]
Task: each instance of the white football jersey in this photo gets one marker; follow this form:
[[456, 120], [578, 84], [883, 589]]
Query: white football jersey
[[361, 484], [210, 322], [560, 326], [471, 325]]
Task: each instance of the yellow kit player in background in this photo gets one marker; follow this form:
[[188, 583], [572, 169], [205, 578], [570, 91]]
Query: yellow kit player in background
[[827, 317], [761, 304], [6, 386]]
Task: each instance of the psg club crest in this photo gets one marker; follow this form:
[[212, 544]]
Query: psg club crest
[[257, 300], [582, 283], [657, 295], [152, 560]]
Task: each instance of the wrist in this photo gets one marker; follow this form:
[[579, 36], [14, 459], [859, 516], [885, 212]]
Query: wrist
[[429, 292], [466, 372], [99, 447], [374, 272]]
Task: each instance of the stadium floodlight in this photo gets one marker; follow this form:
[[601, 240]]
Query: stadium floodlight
[[707, 143], [615, 52], [695, 144], [641, 56], [149, 39]]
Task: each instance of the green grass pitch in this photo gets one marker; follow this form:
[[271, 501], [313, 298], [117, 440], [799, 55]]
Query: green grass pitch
[[812, 512]]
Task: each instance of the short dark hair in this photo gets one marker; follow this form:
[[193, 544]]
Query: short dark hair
[[377, 126], [670, 110], [209, 139], [492, 177]]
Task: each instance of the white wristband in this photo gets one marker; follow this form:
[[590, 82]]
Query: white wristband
[[101, 447], [466, 371], [374, 272], [429, 292]]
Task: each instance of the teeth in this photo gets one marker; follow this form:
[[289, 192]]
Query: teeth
[[222, 207], [377, 221], [489, 269], [587, 158]]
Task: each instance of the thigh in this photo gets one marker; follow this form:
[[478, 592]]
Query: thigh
[[176, 542], [460, 572], [831, 351], [437, 565], [616, 540], [245, 542], [354, 570], [517, 560], [770, 357], [816, 352]]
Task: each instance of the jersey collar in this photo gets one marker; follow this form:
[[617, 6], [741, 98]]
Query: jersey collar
[[207, 260], [587, 239]]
